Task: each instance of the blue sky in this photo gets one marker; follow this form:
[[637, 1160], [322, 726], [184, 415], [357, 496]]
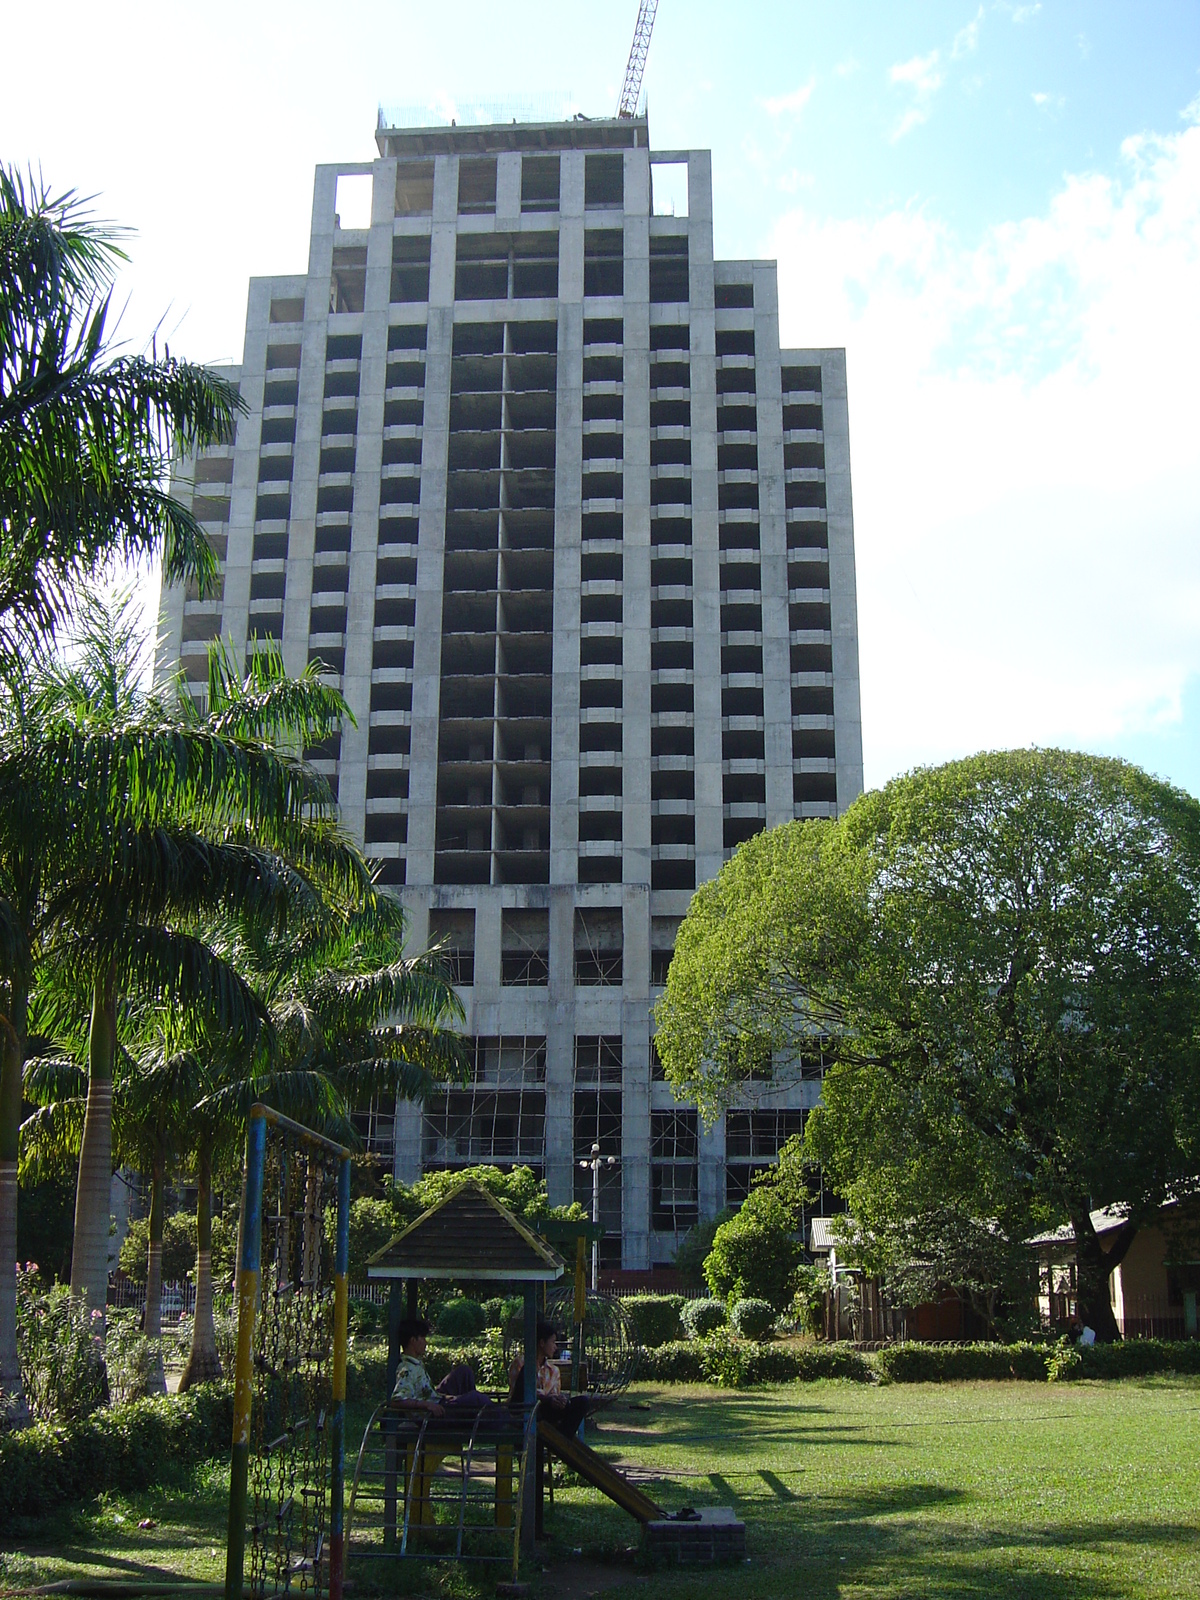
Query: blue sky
[[995, 208]]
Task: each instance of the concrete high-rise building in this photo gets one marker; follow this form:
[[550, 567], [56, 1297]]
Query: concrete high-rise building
[[527, 470]]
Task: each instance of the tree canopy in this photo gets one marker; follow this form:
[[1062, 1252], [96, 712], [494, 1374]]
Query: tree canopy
[[997, 961]]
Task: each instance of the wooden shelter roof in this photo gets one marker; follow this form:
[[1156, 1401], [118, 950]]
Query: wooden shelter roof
[[469, 1234]]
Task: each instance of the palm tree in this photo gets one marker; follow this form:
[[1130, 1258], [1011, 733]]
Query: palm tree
[[127, 821], [85, 437], [87, 433]]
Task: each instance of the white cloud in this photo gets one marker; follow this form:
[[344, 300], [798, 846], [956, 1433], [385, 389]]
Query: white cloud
[[1055, 101], [1025, 432], [922, 76], [791, 104], [1025, 13], [966, 39]]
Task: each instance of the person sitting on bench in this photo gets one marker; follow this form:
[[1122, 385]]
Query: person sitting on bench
[[414, 1391], [564, 1412]]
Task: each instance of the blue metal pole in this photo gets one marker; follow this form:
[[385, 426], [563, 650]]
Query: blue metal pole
[[243, 1392]]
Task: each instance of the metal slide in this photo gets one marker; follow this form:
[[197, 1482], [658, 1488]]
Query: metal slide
[[592, 1469]]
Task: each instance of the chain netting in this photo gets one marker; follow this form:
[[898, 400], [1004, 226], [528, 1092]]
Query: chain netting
[[289, 1469]]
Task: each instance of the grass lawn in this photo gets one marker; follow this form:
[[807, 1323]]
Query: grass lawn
[[979, 1490]]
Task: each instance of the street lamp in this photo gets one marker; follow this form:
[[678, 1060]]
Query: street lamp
[[596, 1161]]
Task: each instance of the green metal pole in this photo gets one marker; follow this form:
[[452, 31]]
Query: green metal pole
[[239, 1473]]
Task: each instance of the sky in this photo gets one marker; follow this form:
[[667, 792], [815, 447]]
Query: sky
[[994, 207]]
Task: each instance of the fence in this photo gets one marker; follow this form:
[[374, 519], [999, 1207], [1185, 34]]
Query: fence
[[178, 1299]]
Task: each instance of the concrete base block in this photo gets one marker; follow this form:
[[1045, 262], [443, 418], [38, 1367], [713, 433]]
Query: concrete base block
[[715, 1536]]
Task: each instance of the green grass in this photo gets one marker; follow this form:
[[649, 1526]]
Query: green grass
[[1005, 1490]]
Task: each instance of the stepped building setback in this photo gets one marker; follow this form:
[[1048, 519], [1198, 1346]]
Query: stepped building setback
[[527, 470]]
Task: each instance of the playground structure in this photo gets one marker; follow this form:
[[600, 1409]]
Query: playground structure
[[287, 1464], [472, 1487]]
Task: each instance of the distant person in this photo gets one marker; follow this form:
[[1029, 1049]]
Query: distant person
[[414, 1391], [564, 1412]]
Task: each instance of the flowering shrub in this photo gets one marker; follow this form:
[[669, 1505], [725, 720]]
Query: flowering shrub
[[131, 1358], [59, 1347]]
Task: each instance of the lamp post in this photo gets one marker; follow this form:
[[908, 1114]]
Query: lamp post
[[596, 1162]]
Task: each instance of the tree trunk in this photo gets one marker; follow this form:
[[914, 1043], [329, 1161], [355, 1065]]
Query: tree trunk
[[14, 1408], [1093, 1267], [152, 1317], [203, 1364], [89, 1257]]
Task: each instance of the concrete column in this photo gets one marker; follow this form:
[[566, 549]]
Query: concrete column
[[711, 1178], [706, 565], [772, 533], [508, 189], [636, 564], [431, 537], [364, 526], [307, 451], [560, 1048], [843, 594]]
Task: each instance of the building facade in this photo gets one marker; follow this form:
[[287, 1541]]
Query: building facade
[[526, 469]]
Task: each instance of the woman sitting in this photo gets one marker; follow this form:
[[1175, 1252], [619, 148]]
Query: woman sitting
[[564, 1412]]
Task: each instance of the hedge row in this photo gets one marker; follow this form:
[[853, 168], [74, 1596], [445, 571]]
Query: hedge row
[[127, 1448], [933, 1363], [694, 1361]]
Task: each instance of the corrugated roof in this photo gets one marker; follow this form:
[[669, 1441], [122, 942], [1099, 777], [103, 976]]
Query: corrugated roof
[[1106, 1220], [469, 1234]]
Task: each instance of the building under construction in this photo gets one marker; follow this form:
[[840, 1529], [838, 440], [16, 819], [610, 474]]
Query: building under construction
[[527, 470]]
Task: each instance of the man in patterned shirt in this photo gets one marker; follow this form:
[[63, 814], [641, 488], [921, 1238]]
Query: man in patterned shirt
[[415, 1392]]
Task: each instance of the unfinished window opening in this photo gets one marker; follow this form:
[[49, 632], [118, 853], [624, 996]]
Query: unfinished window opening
[[735, 341], [603, 181], [452, 939], [477, 185], [669, 188], [596, 1116], [410, 269], [283, 355], [525, 947], [674, 1171], [414, 188], [500, 1118], [539, 183], [753, 1140], [669, 268], [604, 263], [802, 380], [598, 946], [663, 932], [348, 285], [734, 296], [352, 207], [287, 310]]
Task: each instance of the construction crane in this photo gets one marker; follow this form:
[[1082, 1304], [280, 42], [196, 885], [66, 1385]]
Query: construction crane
[[631, 89]]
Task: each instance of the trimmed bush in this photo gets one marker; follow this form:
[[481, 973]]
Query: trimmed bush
[[701, 1317], [460, 1319], [752, 1319], [654, 1318], [126, 1448], [738, 1364], [366, 1318], [1139, 1358], [503, 1313], [939, 1363]]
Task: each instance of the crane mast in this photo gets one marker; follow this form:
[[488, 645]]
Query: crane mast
[[635, 67]]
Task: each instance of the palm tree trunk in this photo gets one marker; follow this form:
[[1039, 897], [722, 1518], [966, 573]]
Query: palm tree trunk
[[89, 1257], [14, 1408], [152, 1318], [203, 1362]]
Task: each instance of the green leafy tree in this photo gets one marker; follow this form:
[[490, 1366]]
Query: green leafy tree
[[755, 1254], [694, 1248], [1001, 959]]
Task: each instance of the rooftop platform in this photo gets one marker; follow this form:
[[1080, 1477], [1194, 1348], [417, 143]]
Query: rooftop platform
[[580, 133]]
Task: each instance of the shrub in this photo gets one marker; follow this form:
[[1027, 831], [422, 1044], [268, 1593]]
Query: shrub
[[366, 1318], [131, 1358], [178, 1248], [703, 1316], [1064, 1363], [694, 1248], [678, 1362], [62, 1360], [460, 1319], [754, 1254], [502, 1313], [654, 1318], [125, 1449], [1137, 1358], [752, 1319], [935, 1363]]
